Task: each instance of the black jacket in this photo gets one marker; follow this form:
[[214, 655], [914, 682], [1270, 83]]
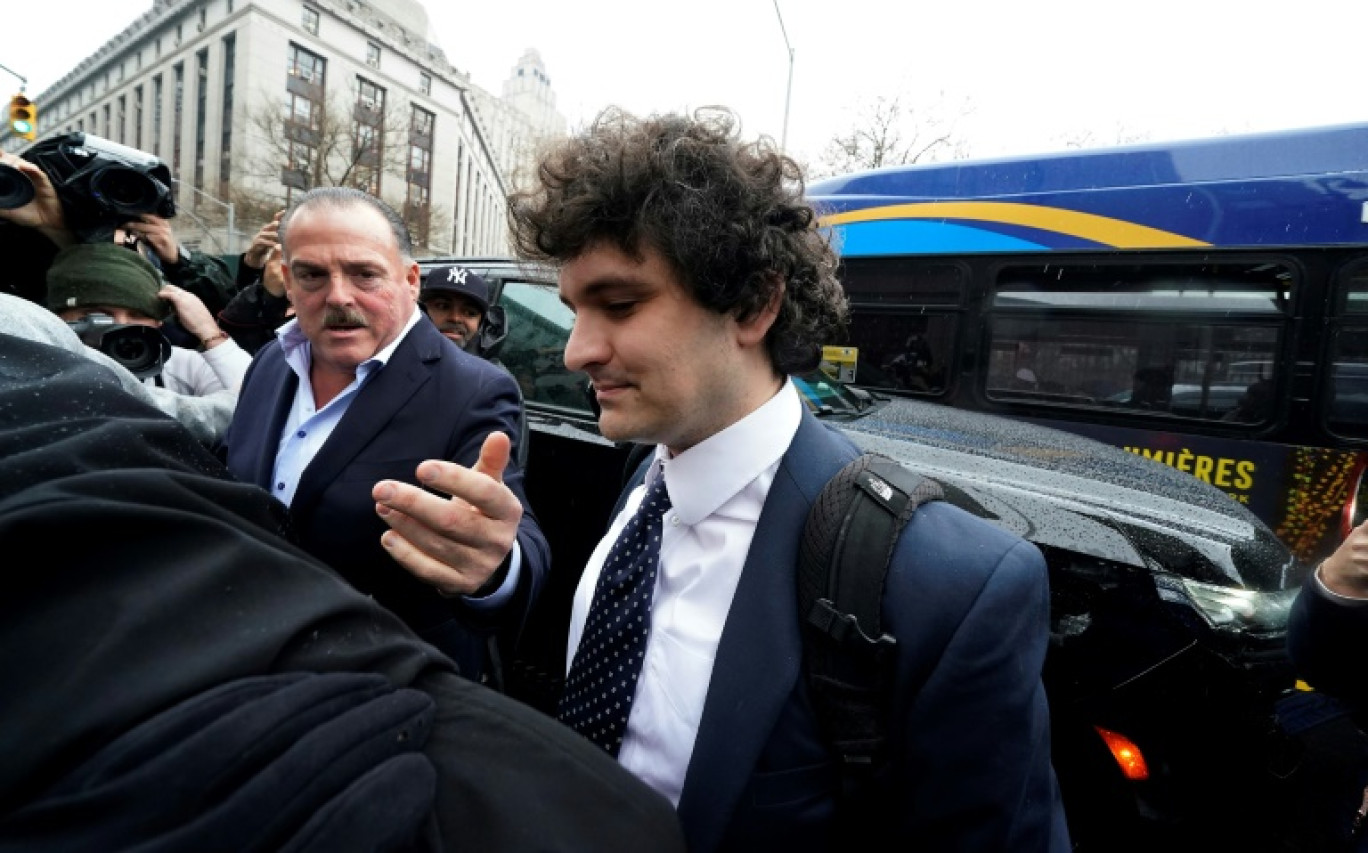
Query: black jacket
[[164, 584]]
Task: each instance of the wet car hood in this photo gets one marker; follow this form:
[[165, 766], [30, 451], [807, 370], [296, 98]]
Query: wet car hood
[[1061, 490]]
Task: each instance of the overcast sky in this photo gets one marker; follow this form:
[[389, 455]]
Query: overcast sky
[[1030, 75]]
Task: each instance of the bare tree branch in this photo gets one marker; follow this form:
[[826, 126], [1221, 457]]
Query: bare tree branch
[[887, 132], [340, 140]]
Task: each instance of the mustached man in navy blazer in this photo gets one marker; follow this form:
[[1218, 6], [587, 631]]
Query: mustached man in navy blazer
[[700, 282], [361, 387]]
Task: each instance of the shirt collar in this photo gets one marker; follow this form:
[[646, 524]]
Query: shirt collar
[[708, 475]]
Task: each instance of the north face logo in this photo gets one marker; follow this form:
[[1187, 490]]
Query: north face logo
[[456, 275]]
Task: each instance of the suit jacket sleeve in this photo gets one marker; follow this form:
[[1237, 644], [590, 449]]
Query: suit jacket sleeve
[[969, 697], [1325, 640]]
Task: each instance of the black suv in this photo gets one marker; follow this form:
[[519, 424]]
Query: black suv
[[1169, 600]]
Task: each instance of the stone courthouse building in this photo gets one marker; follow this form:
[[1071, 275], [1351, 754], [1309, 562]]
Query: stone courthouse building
[[251, 101]]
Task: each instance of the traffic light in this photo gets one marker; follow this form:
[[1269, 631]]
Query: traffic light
[[23, 117]]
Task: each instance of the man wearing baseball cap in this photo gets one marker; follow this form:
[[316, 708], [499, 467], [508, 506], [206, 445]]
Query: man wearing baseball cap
[[456, 299]]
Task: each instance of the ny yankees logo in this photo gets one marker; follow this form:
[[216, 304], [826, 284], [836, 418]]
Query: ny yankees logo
[[456, 275]]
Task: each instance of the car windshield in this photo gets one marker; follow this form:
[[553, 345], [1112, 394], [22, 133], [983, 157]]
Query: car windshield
[[826, 395]]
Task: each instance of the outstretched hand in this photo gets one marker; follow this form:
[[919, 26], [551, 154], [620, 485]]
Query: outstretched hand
[[455, 544]]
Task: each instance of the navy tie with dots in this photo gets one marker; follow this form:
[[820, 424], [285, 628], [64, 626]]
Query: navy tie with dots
[[603, 674]]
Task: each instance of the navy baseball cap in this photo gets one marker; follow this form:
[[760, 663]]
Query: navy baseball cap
[[454, 279]]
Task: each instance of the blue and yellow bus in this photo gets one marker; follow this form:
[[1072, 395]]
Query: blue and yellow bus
[[1203, 303]]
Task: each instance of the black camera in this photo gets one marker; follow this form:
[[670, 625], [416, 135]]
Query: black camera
[[101, 184], [141, 349]]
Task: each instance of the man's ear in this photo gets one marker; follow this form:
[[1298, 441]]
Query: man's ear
[[414, 277], [752, 331]]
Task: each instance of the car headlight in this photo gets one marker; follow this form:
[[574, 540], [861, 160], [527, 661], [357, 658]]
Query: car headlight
[[1230, 608]]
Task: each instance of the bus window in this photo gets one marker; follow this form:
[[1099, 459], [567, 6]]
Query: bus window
[[904, 352], [1347, 395], [1177, 340], [907, 336]]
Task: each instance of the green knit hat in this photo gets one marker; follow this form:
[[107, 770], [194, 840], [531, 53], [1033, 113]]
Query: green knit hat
[[104, 274]]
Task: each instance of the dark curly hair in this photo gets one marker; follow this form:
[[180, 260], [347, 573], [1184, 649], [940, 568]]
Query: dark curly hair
[[729, 217]]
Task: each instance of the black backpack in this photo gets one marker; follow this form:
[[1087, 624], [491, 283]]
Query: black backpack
[[848, 541]]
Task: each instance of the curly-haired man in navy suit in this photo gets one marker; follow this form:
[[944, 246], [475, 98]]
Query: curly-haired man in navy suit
[[700, 282]]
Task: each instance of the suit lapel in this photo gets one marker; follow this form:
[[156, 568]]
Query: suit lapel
[[375, 406], [277, 390], [760, 651]]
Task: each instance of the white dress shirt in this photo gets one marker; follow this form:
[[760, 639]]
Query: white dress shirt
[[717, 489]]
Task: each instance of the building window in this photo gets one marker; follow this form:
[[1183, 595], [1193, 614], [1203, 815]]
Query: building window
[[418, 194], [123, 119], [138, 117], [306, 66], [368, 136], [177, 111], [369, 96], [201, 110], [156, 115], [422, 124], [420, 160], [425, 83], [372, 54], [458, 212], [304, 81], [301, 111], [107, 134], [226, 142], [311, 20]]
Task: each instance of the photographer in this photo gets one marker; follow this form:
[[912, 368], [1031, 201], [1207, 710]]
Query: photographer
[[82, 188], [32, 233], [205, 417], [260, 306], [90, 279]]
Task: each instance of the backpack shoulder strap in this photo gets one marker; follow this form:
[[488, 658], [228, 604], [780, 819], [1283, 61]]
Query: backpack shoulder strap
[[848, 542]]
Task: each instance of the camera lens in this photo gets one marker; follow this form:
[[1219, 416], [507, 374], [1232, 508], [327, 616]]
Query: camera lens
[[141, 349], [129, 351], [16, 190], [124, 191]]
